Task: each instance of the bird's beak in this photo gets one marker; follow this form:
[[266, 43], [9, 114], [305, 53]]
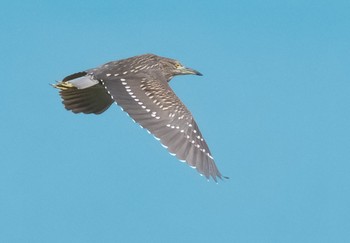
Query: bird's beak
[[185, 70]]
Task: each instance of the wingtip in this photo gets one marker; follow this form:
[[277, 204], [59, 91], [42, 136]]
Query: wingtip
[[221, 177]]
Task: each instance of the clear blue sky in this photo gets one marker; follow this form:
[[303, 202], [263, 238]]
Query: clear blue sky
[[273, 105]]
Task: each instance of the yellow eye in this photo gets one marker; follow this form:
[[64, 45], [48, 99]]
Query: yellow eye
[[178, 65]]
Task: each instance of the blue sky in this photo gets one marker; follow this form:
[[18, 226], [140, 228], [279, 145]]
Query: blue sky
[[273, 105]]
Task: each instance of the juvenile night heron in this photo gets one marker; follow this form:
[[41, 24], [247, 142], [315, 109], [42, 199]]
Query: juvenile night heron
[[139, 85]]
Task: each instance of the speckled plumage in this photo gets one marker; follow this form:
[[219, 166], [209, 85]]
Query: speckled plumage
[[139, 85]]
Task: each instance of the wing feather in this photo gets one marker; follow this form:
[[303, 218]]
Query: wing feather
[[153, 104]]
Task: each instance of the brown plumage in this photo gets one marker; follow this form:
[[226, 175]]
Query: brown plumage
[[139, 85]]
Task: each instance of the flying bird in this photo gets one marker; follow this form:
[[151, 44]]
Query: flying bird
[[140, 86]]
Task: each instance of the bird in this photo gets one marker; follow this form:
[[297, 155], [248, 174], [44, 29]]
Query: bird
[[140, 86]]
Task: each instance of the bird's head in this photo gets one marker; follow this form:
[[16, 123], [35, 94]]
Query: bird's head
[[173, 68]]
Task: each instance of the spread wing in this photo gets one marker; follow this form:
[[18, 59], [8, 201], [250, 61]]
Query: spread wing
[[151, 102], [80, 93]]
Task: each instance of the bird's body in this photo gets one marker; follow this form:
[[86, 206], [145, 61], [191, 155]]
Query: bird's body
[[139, 85]]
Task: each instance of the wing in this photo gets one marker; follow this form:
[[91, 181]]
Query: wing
[[81, 93], [154, 105]]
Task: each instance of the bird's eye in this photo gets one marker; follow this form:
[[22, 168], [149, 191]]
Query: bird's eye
[[178, 65]]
